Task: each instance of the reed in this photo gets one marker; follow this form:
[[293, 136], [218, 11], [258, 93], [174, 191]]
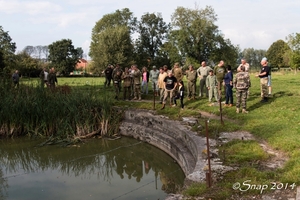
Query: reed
[[66, 113]]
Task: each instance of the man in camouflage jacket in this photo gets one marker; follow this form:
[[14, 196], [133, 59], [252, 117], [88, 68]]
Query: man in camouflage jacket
[[241, 83]]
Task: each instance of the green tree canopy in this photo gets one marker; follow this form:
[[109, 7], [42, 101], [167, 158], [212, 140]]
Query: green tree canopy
[[63, 56], [196, 35], [7, 50], [294, 52], [111, 39], [114, 46], [276, 54], [28, 65], [152, 34]]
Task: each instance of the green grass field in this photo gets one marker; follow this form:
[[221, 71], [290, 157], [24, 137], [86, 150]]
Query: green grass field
[[277, 123]]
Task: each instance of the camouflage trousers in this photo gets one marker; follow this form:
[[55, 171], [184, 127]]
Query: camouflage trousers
[[137, 91], [264, 87], [241, 98]]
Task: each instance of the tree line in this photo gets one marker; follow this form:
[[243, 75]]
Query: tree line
[[119, 37]]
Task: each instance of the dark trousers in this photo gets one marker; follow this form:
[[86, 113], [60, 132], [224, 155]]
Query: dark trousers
[[181, 100], [107, 81], [229, 94]]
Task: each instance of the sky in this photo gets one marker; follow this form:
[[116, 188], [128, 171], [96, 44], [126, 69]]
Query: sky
[[247, 23]]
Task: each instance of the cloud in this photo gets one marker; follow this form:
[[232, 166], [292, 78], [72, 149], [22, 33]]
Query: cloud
[[30, 7]]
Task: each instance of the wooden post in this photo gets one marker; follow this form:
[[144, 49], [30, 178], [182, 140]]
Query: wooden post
[[208, 174]]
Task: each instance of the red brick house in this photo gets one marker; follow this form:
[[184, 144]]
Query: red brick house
[[81, 65]]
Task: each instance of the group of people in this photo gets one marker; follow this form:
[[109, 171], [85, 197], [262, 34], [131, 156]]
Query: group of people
[[135, 82], [169, 83], [48, 79]]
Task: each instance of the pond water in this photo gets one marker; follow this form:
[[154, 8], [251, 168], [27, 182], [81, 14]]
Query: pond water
[[97, 169]]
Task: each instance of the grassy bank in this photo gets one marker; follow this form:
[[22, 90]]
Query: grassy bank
[[276, 123]]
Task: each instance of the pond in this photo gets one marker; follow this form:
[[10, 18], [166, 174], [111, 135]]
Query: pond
[[97, 169]]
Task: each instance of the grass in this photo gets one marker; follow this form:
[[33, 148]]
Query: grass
[[276, 123]]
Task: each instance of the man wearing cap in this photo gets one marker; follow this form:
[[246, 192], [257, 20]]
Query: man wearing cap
[[263, 75], [154, 73], [136, 76], [220, 72], [191, 76]]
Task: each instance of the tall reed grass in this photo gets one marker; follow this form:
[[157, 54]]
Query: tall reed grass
[[65, 113]]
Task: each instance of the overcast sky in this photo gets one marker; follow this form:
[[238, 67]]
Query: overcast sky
[[247, 23]]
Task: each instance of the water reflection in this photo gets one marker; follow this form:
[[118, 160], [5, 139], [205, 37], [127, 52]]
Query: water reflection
[[3, 186], [121, 169]]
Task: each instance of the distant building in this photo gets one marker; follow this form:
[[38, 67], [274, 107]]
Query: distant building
[[81, 65]]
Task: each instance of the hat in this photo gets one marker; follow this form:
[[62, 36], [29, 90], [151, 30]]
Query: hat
[[211, 70], [154, 67], [264, 59]]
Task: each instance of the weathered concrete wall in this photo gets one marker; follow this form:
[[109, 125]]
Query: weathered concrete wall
[[171, 136]]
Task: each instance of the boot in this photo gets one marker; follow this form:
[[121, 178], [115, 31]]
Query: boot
[[237, 110], [244, 111], [163, 106]]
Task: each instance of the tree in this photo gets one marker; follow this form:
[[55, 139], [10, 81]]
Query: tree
[[152, 34], [27, 65], [63, 56], [111, 41], [225, 51], [114, 46], [294, 52], [276, 53], [7, 50], [29, 50], [196, 35]]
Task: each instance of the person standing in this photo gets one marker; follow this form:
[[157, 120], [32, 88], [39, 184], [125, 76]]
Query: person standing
[[191, 76], [203, 72], [177, 72], [247, 69], [212, 86], [245, 64], [44, 77], [263, 75], [52, 79], [228, 78], [136, 74], [242, 83], [16, 79], [179, 95], [108, 75], [154, 73], [219, 72], [161, 84], [170, 85], [126, 77], [145, 80], [270, 81], [117, 79]]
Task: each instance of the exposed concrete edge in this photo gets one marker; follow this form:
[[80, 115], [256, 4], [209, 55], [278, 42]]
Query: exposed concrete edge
[[171, 136], [298, 193]]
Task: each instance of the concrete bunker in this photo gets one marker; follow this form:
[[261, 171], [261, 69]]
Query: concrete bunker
[[170, 136]]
